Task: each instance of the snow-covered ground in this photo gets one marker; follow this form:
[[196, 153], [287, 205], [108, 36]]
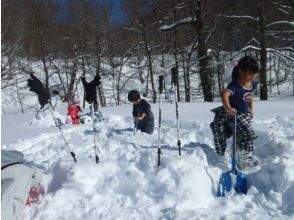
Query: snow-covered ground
[[126, 183]]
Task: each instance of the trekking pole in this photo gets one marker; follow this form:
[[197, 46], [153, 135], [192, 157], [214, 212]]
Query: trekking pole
[[174, 84], [61, 131], [94, 132], [161, 87]]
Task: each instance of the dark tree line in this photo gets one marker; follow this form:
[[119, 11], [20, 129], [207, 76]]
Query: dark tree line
[[199, 36]]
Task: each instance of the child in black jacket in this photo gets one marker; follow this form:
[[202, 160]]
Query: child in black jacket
[[143, 116]]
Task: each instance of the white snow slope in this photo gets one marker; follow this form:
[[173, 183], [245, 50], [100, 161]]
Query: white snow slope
[[126, 183]]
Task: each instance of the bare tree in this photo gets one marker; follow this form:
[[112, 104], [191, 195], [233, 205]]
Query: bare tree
[[197, 22]]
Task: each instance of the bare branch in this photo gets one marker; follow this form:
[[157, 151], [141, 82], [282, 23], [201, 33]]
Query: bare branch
[[240, 17], [188, 20]]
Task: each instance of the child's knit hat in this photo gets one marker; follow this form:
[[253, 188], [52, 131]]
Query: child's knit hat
[[75, 101]]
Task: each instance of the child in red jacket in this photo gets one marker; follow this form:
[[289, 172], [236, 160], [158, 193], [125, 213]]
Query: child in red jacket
[[73, 111]]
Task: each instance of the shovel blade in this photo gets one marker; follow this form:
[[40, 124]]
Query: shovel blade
[[226, 183], [241, 183]]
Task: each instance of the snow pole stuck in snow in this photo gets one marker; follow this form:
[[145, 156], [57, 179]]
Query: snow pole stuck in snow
[[174, 84], [226, 179], [37, 87], [94, 133], [161, 87], [62, 134]]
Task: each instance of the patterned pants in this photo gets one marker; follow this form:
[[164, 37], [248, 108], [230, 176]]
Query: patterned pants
[[222, 128]]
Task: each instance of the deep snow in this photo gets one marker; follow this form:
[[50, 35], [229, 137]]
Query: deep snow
[[126, 183]]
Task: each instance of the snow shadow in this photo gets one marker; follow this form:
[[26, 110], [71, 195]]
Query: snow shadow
[[213, 158], [168, 213], [123, 130], [60, 174], [273, 176], [165, 149], [41, 167], [288, 200]]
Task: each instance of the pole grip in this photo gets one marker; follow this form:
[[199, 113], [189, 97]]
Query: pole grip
[[158, 161], [179, 147], [73, 156], [97, 159]]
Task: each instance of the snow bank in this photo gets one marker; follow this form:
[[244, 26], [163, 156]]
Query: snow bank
[[127, 185]]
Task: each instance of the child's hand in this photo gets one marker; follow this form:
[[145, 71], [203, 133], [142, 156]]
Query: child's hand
[[232, 111], [137, 118], [251, 114]]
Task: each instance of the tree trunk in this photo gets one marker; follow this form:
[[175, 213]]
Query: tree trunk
[[186, 80], [73, 77], [188, 92], [150, 65], [202, 56], [220, 73], [293, 82], [277, 76], [263, 53], [118, 85], [141, 72], [176, 59], [270, 79], [84, 74], [162, 60], [100, 87], [18, 95], [220, 78], [188, 89], [98, 62]]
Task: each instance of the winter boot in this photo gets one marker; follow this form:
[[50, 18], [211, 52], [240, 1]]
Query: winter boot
[[246, 160]]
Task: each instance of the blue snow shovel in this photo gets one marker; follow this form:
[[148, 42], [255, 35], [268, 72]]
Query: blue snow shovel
[[233, 178]]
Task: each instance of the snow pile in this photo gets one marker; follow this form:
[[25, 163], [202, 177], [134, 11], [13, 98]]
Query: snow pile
[[126, 184]]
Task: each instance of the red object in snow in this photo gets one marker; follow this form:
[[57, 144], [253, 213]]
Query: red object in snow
[[35, 194], [73, 112]]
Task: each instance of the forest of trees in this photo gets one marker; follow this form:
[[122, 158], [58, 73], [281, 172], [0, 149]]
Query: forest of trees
[[201, 36]]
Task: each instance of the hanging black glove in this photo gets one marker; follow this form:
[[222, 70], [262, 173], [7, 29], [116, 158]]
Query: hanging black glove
[[37, 87]]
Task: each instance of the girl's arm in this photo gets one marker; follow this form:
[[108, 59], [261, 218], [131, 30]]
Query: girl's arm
[[226, 103]]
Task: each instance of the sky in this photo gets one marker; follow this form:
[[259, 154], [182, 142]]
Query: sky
[[117, 13]]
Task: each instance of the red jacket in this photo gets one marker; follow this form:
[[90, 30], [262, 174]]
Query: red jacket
[[73, 112]]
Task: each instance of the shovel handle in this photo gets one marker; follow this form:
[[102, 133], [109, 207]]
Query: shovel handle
[[234, 160]]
